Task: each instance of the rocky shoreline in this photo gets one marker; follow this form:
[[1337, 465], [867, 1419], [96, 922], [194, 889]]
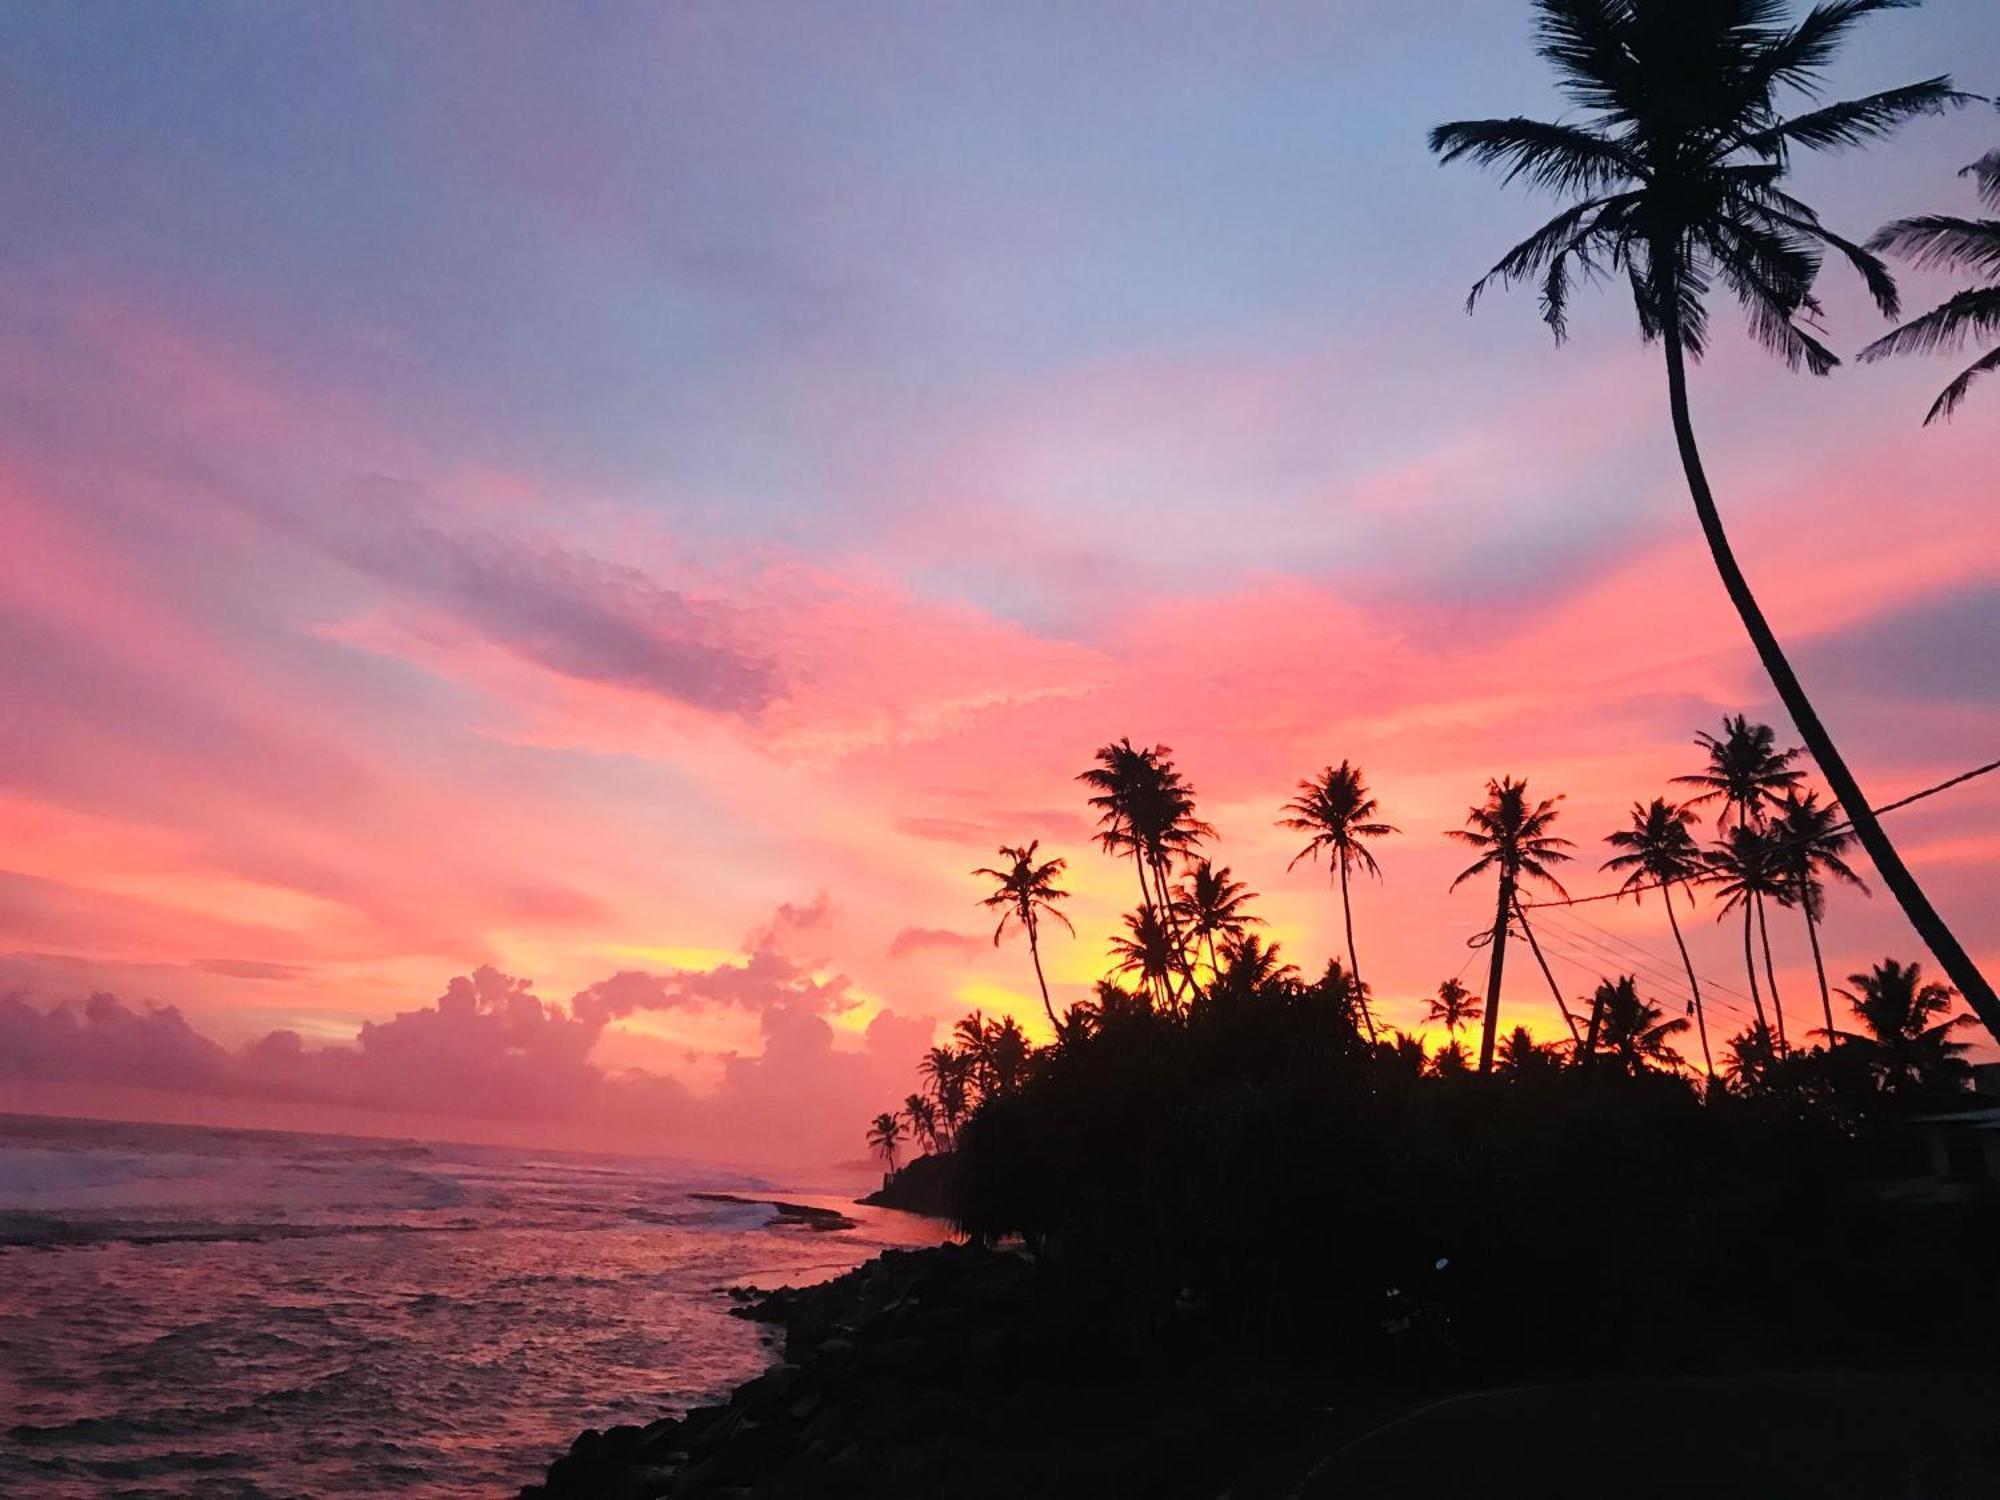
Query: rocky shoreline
[[898, 1346]]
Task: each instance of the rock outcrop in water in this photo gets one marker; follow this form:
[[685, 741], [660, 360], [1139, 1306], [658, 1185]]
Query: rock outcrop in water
[[905, 1343]]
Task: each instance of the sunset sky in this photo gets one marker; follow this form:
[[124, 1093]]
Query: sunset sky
[[664, 491]]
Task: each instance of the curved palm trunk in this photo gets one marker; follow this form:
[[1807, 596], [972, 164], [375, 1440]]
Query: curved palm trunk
[[1937, 937], [1694, 985], [1035, 952], [1554, 988], [1353, 963], [1819, 969], [1771, 977], [1493, 970]]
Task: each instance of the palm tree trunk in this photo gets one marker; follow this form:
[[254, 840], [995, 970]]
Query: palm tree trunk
[[1160, 997], [1750, 968], [1777, 1004], [1694, 985], [1554, 988], [1174, 935], [1493, 969], [1937, 937], [1596, 1024], [1353, 963], [1819, 968], [1035, 952]]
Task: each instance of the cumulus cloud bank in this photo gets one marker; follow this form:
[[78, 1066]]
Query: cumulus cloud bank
[[489, 1048]]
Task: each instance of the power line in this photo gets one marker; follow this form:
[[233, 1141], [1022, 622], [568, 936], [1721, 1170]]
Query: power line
[[1929, 791], [1706, 982], [1662, 979]]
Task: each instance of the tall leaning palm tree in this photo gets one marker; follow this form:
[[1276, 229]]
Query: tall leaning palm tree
[[1513, 837], [1674, 180], [1946, 242], [1336, 809], [1811, 839], [1025, 892], [1658, 850]]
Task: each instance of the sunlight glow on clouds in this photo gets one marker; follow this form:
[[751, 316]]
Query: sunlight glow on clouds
[[439, 535]]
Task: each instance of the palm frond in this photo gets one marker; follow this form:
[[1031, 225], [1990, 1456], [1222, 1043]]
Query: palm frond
[[1854, 122], [1944, 327], [1584, 40], [1799, 218], [1797, 59], [1935, 241], [1560, 158], [1985, 174], [1950, 397]]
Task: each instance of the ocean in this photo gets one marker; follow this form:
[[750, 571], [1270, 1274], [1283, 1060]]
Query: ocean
[[191, 1311]]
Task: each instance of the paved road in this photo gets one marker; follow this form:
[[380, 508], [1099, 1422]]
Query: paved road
[[1816, 1437]]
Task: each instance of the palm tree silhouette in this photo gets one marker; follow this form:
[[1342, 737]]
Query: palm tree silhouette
[[1745, 868], [1659, 851], [1750, 1058], [948, 1076], [1810, 841], [975, 1046], [1249, 964], [1941, 241], [1522, 1056], [1635, 1031], [885, 1134], [1146, 809], [1007, 1054], [1455, 1006], [1210, 902], [1749, 775], [1746, 771], [1146, 951], [1674, 177], [1336, 809], [922, 1116], [1025, 893], [1909, 1048], [1515, 840]]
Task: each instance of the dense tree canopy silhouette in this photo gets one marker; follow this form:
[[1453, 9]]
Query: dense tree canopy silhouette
[[1674, 175]]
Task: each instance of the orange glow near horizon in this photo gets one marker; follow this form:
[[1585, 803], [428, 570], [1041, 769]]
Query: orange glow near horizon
[[671, 609]]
